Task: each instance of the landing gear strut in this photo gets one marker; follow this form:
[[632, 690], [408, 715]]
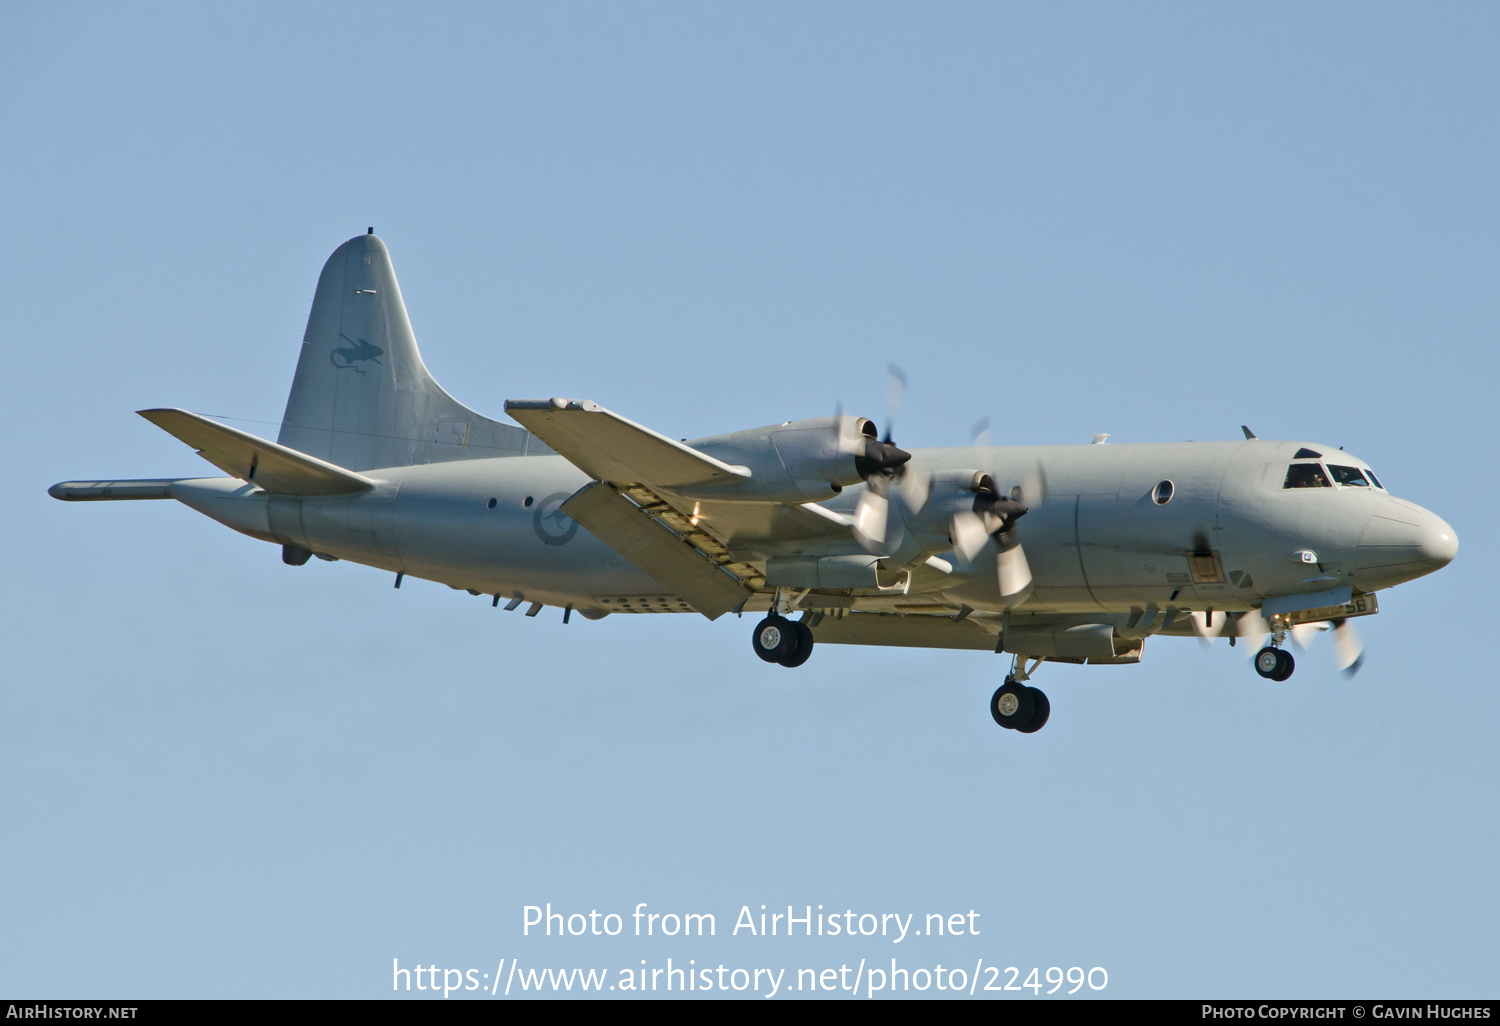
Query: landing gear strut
[[779, 640], [1016, 706]]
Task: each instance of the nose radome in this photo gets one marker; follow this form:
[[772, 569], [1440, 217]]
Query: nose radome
[[1402, 541], [1439, 542]]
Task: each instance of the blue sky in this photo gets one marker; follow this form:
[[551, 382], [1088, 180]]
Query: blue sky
[[226, 777]]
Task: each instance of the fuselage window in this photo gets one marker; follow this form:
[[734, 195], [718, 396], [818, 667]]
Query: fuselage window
[[1162, 493], [1307, 454], [1306, 475], [1348, 476]]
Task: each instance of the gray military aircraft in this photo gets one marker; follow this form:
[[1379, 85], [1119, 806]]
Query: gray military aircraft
[[1064, 553]]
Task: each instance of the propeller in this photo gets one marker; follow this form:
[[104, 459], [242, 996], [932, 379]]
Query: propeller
[[895, 394], [881, 457], [1346, 642], [993, 515], [1351, 651], [889, 513], [882, 464]]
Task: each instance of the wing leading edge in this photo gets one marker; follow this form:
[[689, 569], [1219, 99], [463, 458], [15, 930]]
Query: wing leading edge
[[609, 447]]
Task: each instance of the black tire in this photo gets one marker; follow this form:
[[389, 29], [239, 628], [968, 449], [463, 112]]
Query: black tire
[[1042, 710], [803, 651], [1268, 662], [1286, 666], [774, 639], [1012, 704]]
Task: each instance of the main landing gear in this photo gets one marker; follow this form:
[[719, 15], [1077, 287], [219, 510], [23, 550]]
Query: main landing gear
[[779, 640], [1016, 706]]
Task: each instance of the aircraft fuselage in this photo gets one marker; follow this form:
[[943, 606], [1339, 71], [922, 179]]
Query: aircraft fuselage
[[1229, 534]]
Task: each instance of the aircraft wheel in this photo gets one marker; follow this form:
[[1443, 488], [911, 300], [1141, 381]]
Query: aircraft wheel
[[1042, 710], [803, 651], [1288, 664], [775, 638], [1268, 662], [1012, 704]]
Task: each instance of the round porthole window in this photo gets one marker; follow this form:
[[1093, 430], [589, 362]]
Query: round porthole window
[[492, 504], [527, 502], [1162, 493]]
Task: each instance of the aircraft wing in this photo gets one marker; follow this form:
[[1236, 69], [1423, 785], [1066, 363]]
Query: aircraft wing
[[272, 467], [606, 446], [688, 546], [651, 466]]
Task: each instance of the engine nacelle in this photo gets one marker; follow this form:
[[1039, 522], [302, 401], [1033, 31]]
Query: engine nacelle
[[799, 460]]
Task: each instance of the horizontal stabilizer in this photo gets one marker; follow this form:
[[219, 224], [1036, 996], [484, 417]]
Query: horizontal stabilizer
[[608, 447], [98, 491], [626, 528], [272, 467]]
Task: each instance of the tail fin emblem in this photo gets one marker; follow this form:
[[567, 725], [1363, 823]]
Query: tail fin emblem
[[358, 350]]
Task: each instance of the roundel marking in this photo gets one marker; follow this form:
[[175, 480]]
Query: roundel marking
[[553, 526]]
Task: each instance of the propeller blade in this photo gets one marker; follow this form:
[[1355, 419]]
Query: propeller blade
[[1251, 627], [1034, 487], [915, 489], [981, 432], [1350, 649], [1012, 570], [1204, 625], [871, 515], [1304, 633], [895, 393], [969, 536]]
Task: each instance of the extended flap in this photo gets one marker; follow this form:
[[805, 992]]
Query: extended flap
[[630, 531]]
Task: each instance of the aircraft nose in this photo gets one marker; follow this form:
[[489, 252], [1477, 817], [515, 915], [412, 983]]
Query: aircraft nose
[[1403, 541], [1439, 542]]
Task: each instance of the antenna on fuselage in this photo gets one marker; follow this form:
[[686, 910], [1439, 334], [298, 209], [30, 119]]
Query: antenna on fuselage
[[1249, 435]]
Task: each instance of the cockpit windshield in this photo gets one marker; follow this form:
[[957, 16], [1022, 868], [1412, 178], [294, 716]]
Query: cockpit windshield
[[1306, 475], [1348, 475]]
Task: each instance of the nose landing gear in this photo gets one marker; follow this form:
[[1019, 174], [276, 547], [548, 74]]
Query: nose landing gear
[[1274, 663]]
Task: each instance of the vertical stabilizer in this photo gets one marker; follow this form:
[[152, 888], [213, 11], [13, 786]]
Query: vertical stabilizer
[[362, 397]]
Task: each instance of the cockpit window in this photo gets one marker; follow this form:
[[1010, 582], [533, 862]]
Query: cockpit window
[[1348, 476], [1373, 479], [1306, 475], [1307, 454]]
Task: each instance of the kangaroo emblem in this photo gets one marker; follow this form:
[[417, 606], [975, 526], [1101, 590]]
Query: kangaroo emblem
[[358, 349]]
